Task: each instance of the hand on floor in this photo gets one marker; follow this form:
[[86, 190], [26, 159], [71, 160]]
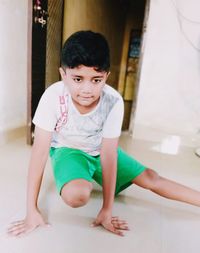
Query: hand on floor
[[23, 227], [112, 224]]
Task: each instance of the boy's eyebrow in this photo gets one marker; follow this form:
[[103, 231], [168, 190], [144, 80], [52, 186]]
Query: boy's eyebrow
[[74, 75], [98, 76]]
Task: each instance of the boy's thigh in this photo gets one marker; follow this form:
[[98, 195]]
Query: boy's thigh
[[127, 170], [70, 168]]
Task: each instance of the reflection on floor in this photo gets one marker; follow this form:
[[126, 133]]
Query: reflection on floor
[[157, 225]]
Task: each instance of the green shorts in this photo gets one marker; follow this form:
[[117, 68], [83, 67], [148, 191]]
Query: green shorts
[[70, 164]]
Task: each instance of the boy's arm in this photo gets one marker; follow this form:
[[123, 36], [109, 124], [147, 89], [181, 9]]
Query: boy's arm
[[108, 156], [109, 171], [37, 164], [39, 155]]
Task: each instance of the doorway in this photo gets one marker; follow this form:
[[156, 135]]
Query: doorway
[[45, 42], [121, 22], [131, 57]]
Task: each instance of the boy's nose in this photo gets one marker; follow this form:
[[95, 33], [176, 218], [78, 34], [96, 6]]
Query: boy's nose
[[87, 87]]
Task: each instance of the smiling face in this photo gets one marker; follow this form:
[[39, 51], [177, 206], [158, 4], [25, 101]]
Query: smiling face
[[85, 85]]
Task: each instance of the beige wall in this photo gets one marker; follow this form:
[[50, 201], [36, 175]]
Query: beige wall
[[169, 92], [13, 66], [106, 17]]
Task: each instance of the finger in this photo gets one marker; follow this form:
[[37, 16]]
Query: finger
[[112, 229], [117, 232], [121, 226], [119, 221], [26, 231], [23, 231], [17, 222], [95, 223], [115, 218], [17, 232], [15, 227]]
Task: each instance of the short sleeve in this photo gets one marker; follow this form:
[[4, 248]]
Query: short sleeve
[[45, 115], [113, 124]]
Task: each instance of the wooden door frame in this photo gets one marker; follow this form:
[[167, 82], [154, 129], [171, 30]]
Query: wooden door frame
[[142, 49], [30, 66], [29, 72], [125, 50]]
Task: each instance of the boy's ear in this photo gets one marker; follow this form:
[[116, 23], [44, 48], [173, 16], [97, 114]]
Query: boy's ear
[[62, 72], [107, 75]]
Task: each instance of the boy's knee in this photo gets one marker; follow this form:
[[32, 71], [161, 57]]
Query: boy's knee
[[152, 179], [75, 198]]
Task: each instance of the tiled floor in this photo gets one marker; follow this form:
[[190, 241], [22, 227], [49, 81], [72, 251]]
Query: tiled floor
[[157, 225]]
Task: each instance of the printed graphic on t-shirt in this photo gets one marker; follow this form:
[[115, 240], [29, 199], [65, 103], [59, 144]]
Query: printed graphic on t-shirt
[[63, 101]]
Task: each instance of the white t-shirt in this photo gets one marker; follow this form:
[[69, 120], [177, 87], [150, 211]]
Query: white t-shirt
[[57, 113]]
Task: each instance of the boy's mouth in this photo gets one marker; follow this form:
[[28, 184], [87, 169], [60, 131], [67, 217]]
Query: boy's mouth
[[81, 97]]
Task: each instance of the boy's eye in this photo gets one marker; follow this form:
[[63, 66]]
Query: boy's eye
[[77, 79], [97, 80]]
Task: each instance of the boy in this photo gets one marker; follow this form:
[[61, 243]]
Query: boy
[[79, 119]]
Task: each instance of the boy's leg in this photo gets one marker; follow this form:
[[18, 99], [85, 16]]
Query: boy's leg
[[76, 193], [71, 168], [131, 171], [150, 180]]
